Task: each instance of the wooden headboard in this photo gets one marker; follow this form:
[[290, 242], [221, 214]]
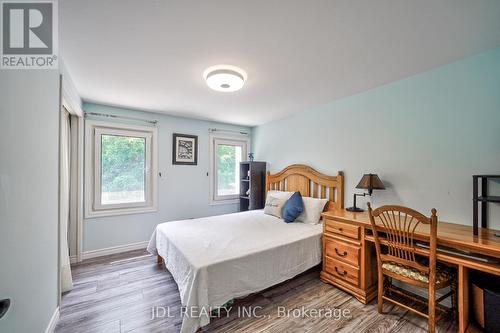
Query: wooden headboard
[[310, 183]]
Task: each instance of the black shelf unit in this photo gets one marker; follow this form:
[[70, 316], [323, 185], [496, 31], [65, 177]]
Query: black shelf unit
[[253, 178], [481, 199]]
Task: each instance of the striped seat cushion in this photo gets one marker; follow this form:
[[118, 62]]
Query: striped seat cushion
[[443, 272]]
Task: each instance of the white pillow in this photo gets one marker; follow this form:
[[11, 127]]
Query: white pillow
[[274, 206], [312, 210], [280, 194]]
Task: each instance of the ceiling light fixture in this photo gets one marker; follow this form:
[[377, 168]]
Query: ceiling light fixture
[[225, 78]]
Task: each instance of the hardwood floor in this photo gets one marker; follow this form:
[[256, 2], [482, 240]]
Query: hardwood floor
[[116, 294]]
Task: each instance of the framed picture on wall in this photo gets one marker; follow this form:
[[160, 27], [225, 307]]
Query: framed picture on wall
[[185, 149]]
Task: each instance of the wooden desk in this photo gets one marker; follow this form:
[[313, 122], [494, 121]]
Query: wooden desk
[[349, 258]]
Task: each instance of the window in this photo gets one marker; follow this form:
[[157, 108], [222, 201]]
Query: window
[[120, 169], [226, 153]]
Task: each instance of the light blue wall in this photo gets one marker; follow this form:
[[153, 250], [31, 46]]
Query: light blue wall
[[183, 190], [425, 136], [29, 164]]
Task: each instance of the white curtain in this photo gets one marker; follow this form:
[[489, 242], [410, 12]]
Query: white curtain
[[64, 204]]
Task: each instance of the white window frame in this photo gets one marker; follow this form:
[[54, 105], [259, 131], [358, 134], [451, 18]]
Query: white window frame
[[93, 132], [236, 140]]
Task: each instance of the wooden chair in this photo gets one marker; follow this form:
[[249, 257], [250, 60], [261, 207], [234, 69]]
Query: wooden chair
[[397, 260]]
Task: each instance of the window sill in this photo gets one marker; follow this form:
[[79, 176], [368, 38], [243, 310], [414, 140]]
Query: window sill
[[117, 212], [224, 202]]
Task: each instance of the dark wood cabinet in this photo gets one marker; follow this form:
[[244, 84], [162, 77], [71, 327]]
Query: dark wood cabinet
[[252, 185], [481, 198]]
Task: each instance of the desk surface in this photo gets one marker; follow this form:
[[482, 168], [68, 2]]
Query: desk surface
[[449, 234]]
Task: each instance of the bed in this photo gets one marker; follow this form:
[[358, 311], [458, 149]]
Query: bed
[[216, 259]]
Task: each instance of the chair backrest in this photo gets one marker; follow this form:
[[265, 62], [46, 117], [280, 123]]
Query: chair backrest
[[399, 224]]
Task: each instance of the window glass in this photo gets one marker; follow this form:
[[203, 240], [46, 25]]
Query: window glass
[[228, 158], [123, 169]]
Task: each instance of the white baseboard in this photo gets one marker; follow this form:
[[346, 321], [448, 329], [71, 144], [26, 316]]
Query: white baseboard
[[113, 250], [53, 321], [73, 259]]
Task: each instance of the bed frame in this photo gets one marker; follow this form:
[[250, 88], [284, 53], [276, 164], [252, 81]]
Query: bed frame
[[307, 181], [310, 183]]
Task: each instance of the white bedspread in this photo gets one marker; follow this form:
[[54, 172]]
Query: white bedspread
[[218, 258]]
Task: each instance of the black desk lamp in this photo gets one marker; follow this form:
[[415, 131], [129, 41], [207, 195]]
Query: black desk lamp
[[369, 182]]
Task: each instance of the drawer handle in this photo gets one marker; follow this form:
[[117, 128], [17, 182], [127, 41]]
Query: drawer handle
[[339, 273], [340, 229], [340, 254]]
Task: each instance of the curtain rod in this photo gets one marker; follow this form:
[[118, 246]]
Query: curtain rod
[[154, 122], [224, 130]]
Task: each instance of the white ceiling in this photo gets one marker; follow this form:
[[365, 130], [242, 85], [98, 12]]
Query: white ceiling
[[150, 55]]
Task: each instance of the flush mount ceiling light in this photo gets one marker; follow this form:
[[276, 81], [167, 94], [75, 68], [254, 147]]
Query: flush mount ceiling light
[[225, 78]]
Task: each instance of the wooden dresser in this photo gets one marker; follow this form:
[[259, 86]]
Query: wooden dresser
[[348, 263]]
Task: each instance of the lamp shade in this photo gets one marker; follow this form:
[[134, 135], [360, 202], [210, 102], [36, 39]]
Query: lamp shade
[[371, 182]]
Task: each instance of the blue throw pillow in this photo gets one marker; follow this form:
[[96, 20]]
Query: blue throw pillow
[[293, 207]]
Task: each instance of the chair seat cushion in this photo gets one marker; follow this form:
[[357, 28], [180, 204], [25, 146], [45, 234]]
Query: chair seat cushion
[[443, 272]]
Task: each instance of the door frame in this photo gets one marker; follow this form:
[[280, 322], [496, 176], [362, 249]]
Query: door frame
[[76, 177]]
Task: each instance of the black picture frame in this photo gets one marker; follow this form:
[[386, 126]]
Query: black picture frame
[[178, 159]]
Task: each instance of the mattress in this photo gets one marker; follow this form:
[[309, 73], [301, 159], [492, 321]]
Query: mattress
[[219, 258]]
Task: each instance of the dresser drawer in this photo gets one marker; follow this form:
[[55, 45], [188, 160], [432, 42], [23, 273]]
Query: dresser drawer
[[342, 271], [342, 251], [341, 228]]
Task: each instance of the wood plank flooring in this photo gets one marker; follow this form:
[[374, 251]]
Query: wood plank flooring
[[116, 294]]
